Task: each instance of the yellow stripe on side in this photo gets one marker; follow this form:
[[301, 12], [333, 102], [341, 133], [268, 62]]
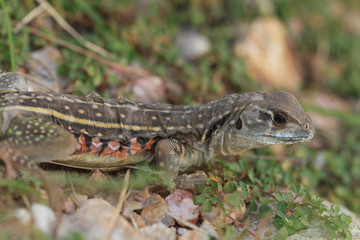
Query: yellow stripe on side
[[69, 118]]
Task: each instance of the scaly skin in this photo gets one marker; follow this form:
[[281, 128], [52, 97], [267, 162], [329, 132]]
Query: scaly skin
[[95, 133]]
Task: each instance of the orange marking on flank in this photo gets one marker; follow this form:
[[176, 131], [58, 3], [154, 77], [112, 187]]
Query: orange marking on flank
[[135, 146], [81, 146], [96, 144], [123, 154], [149, 144], [112, 147]]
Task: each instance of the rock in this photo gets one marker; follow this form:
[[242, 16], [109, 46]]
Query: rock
[[216, 215], [43, 64], [181, 204], [208, 230], [137, 220], [157, 231], [190, 181], [130, 206], [140, 196], [192, 45], [79, 199], [68, 206], [43, 217], [23, 215], [149, 89], [154, 211], [92, 220], [268, 54]]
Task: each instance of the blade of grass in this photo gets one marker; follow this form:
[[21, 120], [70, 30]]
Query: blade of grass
[[9, 35]]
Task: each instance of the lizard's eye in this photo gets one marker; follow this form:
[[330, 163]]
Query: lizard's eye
[[239, 124], [280, 118]]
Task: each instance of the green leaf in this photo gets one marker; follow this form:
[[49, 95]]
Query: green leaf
[[281, 214], [288, 222], [282, 234], [281, 206], [199, 199], [298, 225], [229, 187], [265, 212], [206, 206], [201, 188], [235, 199], [253, 206], [251, 175], [278, 222], [267, 201]]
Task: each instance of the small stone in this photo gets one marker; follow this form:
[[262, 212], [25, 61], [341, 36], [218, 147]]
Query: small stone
[[154, 211], [194, 234], [182, 231], [23, 215], [92, 220], [69, 206], [140, 196], [79, 199], [150, 89], [137, 220], [216, 214], [190, 181], [44, 218], [181, 204], [269, 55], [43, 64], [158, 231], [209, 230], [192, 45], [130, 206]]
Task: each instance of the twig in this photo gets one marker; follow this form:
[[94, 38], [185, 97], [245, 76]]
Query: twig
[[29, 17], [187, 224], [114, 65], [60, 20], [123, 195], [242, 225], [268, 194]]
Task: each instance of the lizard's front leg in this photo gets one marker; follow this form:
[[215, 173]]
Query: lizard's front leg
[[174, 156]]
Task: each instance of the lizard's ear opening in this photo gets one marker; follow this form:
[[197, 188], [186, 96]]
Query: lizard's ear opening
[[239, 124]]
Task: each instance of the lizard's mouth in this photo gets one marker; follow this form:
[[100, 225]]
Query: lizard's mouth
[[301, 138]]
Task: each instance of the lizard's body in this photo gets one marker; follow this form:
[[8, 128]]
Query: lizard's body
[[96, 133]]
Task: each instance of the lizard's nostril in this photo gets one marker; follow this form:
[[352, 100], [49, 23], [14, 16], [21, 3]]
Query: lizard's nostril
[[306, 127]]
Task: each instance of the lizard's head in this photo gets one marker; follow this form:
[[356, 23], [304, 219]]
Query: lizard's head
[[274, 118]]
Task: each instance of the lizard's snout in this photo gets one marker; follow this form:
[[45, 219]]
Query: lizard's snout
[[309, 130]]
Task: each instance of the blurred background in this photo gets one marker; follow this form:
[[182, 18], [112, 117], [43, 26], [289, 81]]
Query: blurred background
[[192, 52]]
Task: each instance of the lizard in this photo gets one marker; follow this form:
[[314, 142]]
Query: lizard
[[92, 132]]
